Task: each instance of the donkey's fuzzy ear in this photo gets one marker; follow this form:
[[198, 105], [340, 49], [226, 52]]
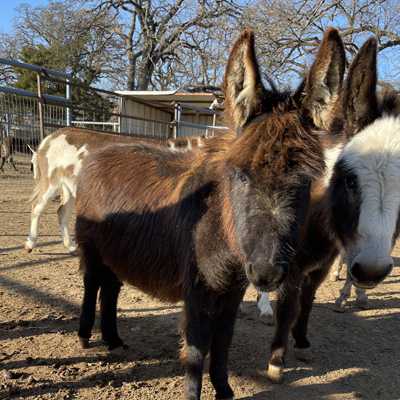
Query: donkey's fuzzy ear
[[244, 91], [360, 104], [323, 85]]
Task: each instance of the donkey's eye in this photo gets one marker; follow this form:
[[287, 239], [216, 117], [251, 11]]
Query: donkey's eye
[[242, 176], [351, 182]]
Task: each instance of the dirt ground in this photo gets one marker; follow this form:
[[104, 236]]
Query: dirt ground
[[357, 354]]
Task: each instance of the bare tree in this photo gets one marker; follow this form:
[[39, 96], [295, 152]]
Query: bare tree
[[200, 58], [78, 38], [154, 32], [288, 32], [8, 49]]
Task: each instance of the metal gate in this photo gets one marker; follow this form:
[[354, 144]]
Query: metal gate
[[27, 117]]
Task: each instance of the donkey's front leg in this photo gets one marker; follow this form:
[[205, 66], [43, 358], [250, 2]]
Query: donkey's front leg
[[197, 333], [361, 298], [286, 314], [222, 337], [344, 293], [337, 268]]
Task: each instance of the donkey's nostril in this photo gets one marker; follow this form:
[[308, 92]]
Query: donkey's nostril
[[250, 268]]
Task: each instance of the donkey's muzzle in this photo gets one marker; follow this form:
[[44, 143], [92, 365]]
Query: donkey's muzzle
[[367, 276], [265, 277]]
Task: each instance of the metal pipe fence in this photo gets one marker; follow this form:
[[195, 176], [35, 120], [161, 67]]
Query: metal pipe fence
[[27, 117]]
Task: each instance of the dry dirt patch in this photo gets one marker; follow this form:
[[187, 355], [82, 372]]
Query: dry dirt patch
[[357, 354]]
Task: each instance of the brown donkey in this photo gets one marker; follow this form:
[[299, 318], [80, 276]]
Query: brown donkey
[[358, 170], [57, 164], [198, 226]]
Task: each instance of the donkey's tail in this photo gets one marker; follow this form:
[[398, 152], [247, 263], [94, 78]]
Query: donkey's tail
[[35, 164], [36, 176]]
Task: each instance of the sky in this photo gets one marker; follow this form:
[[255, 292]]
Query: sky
[[387, 63], [8, 12]]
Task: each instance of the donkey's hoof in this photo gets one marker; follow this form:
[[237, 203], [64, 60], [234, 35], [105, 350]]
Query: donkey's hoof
[[275, 373], [269, 320], [339, 306], [118, 351], [73, 251], [72, 248], [29, 246], [225, 395], [363, 304], [115, 344], [334, 277], [84, 342], [303, 354]]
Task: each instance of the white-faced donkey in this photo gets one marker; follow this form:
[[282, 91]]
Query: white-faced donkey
[[365, 186]]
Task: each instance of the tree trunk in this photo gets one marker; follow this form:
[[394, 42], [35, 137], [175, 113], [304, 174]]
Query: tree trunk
[[145, 72], [131, 72]]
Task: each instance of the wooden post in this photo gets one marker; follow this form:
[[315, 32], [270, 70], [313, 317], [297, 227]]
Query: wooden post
[[177, 118], [214, 123], [68, 97], [40, 103]]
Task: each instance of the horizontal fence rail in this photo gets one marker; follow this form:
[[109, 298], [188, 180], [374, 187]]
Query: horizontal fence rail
[[27, 117]]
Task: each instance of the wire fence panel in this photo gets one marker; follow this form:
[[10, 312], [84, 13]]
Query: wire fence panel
[[147, 128], [27, 117], [19, 119]]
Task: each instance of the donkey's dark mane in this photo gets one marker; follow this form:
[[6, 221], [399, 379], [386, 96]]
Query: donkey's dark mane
[[389, 103]]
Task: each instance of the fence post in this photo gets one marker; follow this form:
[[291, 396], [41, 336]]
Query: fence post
[[214, 123], [40, 103], [68, 97], [176, 121]]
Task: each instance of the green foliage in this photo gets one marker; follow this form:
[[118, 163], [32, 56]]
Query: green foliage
[[58, 58]]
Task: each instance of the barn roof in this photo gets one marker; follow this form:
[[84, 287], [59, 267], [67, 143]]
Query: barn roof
[[166, 99]]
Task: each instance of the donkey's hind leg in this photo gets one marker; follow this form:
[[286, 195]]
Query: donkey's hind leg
[[38, 206], [110, 287], [299, 331], [64, 213], [91, 287], [361, 298], [13, 163]]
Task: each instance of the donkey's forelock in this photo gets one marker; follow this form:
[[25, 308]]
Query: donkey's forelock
[[281, 146]]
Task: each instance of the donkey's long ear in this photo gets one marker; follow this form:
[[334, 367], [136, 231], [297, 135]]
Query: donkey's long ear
[[244, 91], [360, 102], [323, 85]]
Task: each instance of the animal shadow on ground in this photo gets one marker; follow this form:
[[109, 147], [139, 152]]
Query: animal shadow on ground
[[355, 353], [342, 342]]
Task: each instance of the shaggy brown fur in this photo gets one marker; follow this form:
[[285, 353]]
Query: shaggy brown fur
[[64, 168], [199, 225]]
